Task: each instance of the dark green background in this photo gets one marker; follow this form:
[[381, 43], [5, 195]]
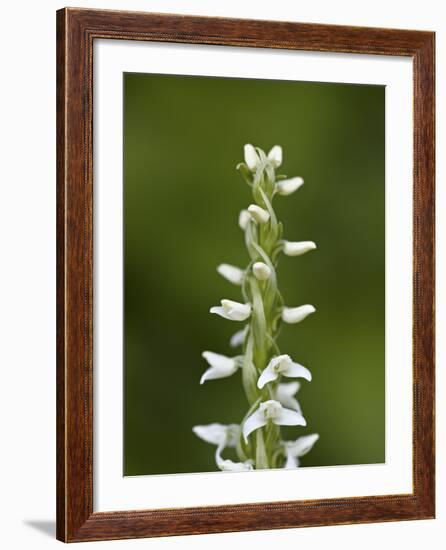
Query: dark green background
[[183, 139]]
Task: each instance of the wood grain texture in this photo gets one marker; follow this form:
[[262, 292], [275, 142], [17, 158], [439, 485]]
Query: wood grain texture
[[76, 31]]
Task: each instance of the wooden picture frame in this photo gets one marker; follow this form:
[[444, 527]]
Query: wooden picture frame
[[77, 29]]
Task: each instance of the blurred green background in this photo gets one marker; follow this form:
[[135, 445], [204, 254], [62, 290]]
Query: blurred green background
[[183, 137]]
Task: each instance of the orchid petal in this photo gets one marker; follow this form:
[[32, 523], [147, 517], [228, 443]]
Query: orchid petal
[[296, 314], [227, 465], [220, 366], [268, 375], [288, 186], [212, 433], [302, 445], [251, 157], [298, 248], [231, 273], [291, 462], [285, 395], [234, 311], [287, 417], [294, 370], [260, 215], [275, 155], [238, 338], [261, 271], [243, 219], [254, 422]]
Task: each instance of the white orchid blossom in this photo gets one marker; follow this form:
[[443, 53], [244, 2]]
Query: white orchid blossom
[[298, 448], [238, 338], [234, 311], [282, 365], [285, 395], [251, 157], [231, 273], [243, 219], [218, 434], [293, 315], [223, 436], [288, 186], [220, 366], [258, 214], [275, 156], [261, 271], [271, 411], [298, 248]]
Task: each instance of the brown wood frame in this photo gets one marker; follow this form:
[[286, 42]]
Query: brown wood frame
[[76, 31]]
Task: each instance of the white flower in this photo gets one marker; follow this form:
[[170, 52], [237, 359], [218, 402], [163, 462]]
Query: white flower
[[298, 248], [300, 447], [275, 155], [288, 186], [251, 157], [271, 411], [285, 395], [234, 311], [261, 271], [260, 215], [226, 435], [223, 436], [220, 366], [243, 219], [231, 273], [238, 338], [282, 364], [296, 314]]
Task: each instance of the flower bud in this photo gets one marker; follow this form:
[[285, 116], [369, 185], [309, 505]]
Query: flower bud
[[258, 214], [251, 157], [243, 219], [286, 187], [296, 314], [297, 248], [261, 271], [231, 273], [275, 155]]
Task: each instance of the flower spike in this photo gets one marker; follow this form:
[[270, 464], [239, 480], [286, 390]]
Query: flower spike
[[257, 443]]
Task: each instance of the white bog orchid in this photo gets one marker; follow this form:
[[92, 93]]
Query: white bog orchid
[[298, 248], [298, 448], [231, 273], [293, 315], [234, 311], [282, 365], [288, 186], [285, 395], [251, 157], [238, 338], [220, 366], [226, 435], [261, 271], [271, 411], [275, 156], [243, 219], [260, 215]]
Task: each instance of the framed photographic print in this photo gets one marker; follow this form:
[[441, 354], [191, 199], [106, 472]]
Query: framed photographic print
[[245, 275]]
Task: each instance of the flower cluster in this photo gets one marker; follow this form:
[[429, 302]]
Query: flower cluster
[[257, 440]]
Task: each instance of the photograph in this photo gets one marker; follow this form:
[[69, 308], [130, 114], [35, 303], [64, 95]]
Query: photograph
[[254, 274]]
